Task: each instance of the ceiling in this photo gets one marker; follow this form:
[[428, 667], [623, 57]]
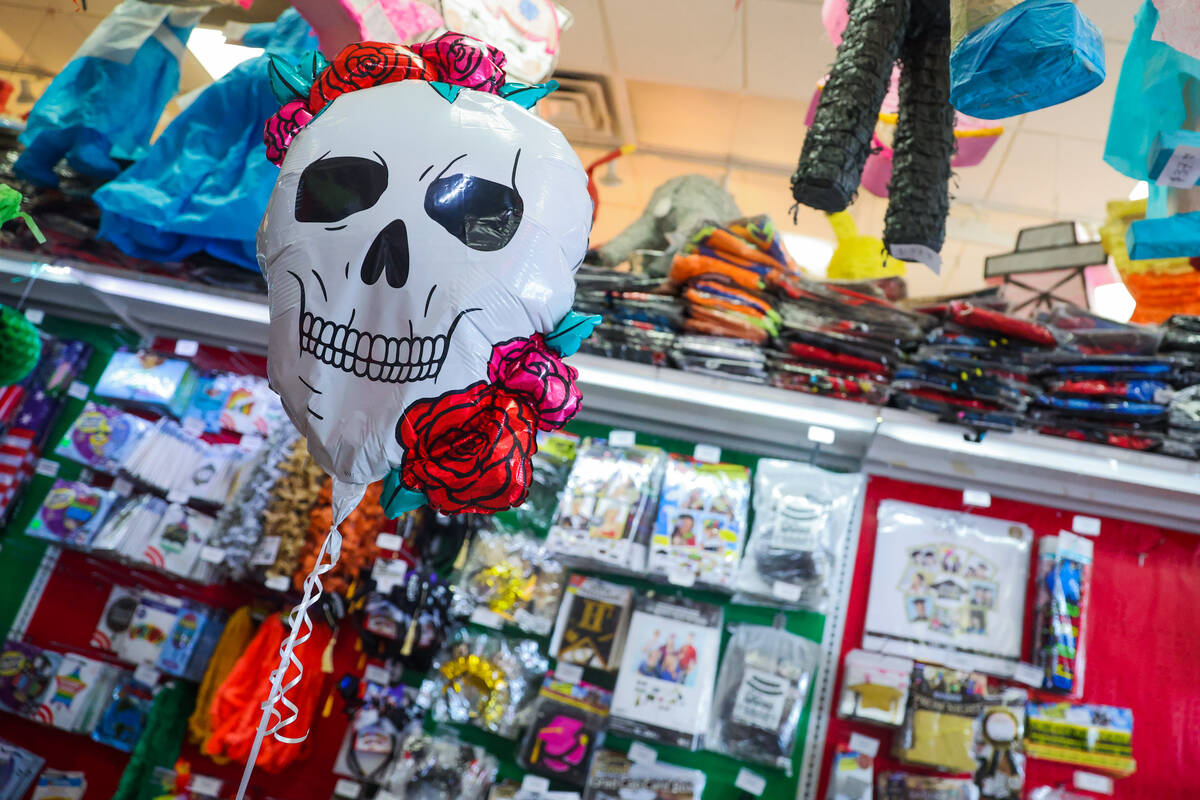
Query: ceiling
[[720, 87]]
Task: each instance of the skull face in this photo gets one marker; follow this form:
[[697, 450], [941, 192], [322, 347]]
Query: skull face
[[406, 235]]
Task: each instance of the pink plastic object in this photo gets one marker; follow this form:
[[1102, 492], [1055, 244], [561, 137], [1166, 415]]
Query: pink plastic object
[[836, 16]]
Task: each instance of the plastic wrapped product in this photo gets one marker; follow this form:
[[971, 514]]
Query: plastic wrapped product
[[485, 680], [176, 543], [440, 768], [874, 688], [1063, 586], [615, 777], [130, 525], [18, 769], [407, 620], [124, 716], [1099, 737], [148, 380], [762, 688], [26, 677], [78, 693], [510, 579], [102, 437], [939, 730], [568, 726], [701, 523], [551, 465], [802, 515], [592, 622], [664, 690], [72, 513], [906, 786], [852, 775], [999, 753], [607, 508]]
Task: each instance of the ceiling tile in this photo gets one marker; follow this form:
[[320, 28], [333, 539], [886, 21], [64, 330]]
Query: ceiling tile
[[584, 46], [971, 184], [1113, 17], [1085, 117], [682, 118], [787, 49], [1085, 182], [768, 131], [688, 42], [1027, 181]]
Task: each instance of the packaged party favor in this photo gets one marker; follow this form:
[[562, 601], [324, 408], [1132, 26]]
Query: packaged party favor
[[124, 716], [72, 513], [77, 695], [148, 380], [568, 725], [26, 677], [101, 437]]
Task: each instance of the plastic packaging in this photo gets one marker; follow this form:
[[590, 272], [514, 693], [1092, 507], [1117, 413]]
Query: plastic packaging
[[802, 516], [510, 579], [567, 727], [761, 690], [1095, 736], [102, 437], [701, 526], [851, 776], [592, 623], [939, 730], [874, 688], [407, 621], [905, 786], [26, 677], [1064, 571], [148, 380], [551, 465], [72, 513], [999, 752], [613, 775], [20, 770], [124, 717], [440, 768]]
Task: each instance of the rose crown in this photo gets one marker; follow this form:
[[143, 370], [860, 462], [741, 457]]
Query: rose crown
[[450, 63]]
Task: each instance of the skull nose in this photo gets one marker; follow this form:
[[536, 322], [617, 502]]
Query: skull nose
[[388, 256]]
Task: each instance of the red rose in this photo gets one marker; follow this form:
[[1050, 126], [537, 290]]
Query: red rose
[[363, 65], [530, 370], [469, 450]]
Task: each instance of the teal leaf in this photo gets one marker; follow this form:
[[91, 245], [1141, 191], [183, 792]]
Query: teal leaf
[[396, 499], [570, 332], [286, 81], [527, 95], [446, 90]]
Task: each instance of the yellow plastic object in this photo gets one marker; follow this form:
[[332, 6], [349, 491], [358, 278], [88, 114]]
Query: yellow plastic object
[[858, 257], [1160, 286], [1112, 236]]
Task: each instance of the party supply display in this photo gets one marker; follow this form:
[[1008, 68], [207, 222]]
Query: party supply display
[[592, 622], [998, 747], [567, 727], [26, 677], [124, 717], [664, 689], [58, 785], [408, 620], [77, 696], [440, 767], [72, 513], [510, 579], [944, 706], [1064, 569], [701, 525], [1089, 735], [358, 531], [102, 437], [614, 776], [945, 579], [174, 461], [150, 622], [761, 690], [551, 465], [801, 516], [874, 688]]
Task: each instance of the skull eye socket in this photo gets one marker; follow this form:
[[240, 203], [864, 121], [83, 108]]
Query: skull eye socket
[[482, 214], [332, 189]]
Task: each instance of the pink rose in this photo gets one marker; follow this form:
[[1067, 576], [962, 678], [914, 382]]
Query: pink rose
[[464, 61], [282, 127], [531, 370]]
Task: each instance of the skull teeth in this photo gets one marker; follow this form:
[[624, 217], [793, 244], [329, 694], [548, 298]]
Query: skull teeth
[[372, 356]]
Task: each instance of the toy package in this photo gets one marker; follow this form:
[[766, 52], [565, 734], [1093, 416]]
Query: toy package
[[77, 695], [607, 509], [762, 688], [72, 513], [664, 689], [124, 717], [55, 784], [151, 622], [1100, 737], [999, 751], [614, 776], [1063, 584], [568, 726], [172, 460], [18, 769], [852, 775], [592, 622], [130, 525], [115, 618], [802, 517], [188, 641], [551, 465], [102, 437], [510, 579], [174, 546], [906, 786], [939, 730], [148, 380], [874, 688], [241, 404], [407, 620], [701, 525], [946, 579], [439, 766], [26, 678]]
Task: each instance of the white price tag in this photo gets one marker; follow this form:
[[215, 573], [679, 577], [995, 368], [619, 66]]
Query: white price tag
[[622, 438], [78, 390], [278, 583], [47, 467], [708, 453], [122, 487], [1029, 675], [265, 553], [35, 315], [820, 434], [571, 673], [750, 782], [1088, 526], [389, 541], [866, 745], [642, 754], [787, 592], [146, 674], [1091, 782], [374, 673], [975, 497], [348, 789], [536, 784], [213, 555], [177, 496], [250, 443], [186, 347], [1183, 168], [681, 575], [193, 426], [482, 615], [917, 252], [205, 786]]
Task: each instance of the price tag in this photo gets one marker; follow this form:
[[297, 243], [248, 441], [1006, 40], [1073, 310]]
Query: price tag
[[366, 718], [186, 347], [1091, 782], [1183, 168], [265, 553], [750, 782], [866, 745], [681, 575], [213, 555], [917, 252], [787, 592], [975, 497], [250, 443], [622, 438], [389, 541], [1088, 526], [1029, 675], [122, 487], [708, 453], [821, 434], [571, 673], [193, 426], [486, 617], [278, 583], [205, 786], [47, 467], [374, 673], [146, 674], [78, 390], [349, 789], [177, 496], [536, 784], [35, 315], [642, 754]]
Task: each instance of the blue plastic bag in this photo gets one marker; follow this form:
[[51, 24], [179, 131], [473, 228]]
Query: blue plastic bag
[[1037, 54]]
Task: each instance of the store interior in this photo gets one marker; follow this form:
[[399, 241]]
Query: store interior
[[596, 399]]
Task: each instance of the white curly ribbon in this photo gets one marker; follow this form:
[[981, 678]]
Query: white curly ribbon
[[346, 497]]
